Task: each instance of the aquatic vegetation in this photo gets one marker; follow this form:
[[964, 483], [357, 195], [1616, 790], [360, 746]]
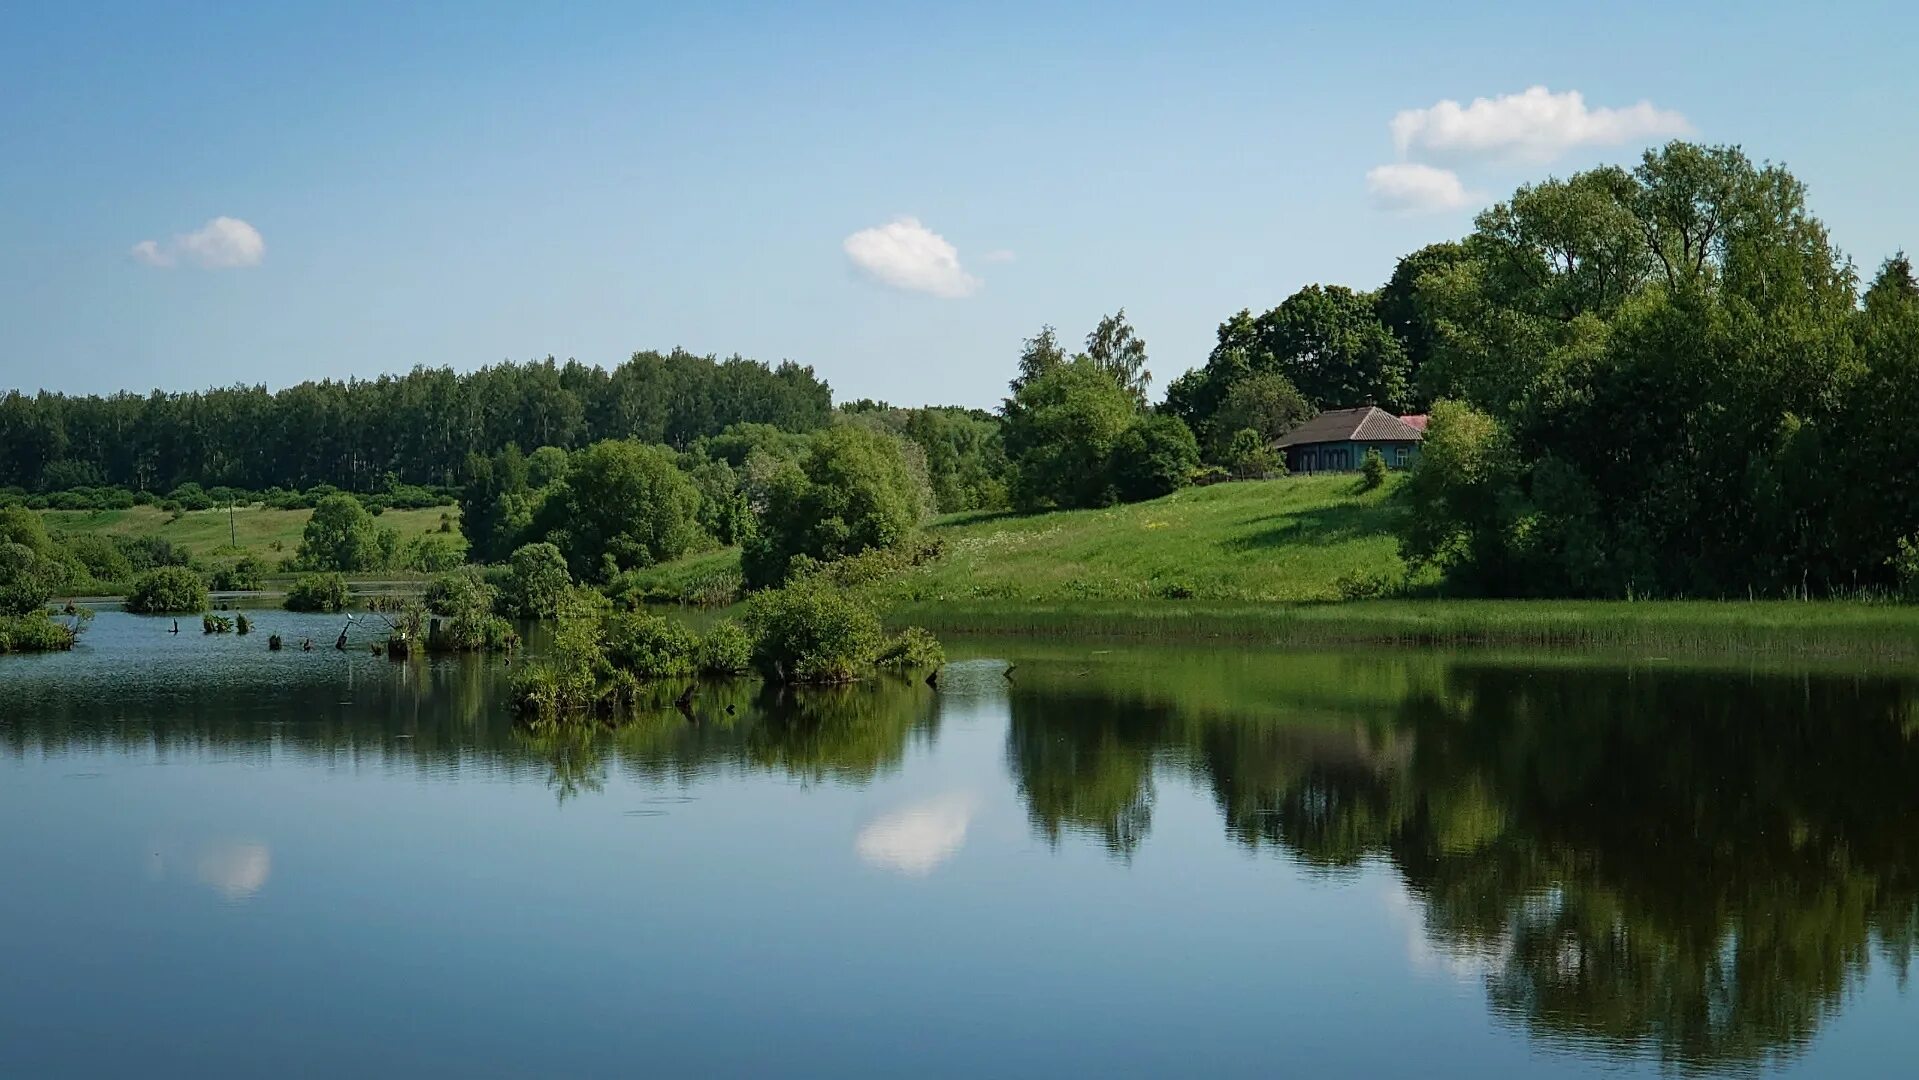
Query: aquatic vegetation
[[651, 646], [167, 590], [38, 631], [809, 632], [241, 624], [726, 649], [274, 643], [913, 647], [216, 624], [318, 592]]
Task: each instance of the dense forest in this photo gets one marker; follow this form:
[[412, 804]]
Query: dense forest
[[1658, 381], [419, 427]]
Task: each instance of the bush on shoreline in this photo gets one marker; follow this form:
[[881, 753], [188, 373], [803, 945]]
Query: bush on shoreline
[[318, 592], [168, 590]]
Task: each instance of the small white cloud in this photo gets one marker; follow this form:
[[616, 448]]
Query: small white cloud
[[906, 255], [914, 840], [1536, 125], [220, 244], [1412, 188]]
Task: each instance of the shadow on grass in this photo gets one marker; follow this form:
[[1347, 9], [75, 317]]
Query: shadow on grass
[[1328, 525]]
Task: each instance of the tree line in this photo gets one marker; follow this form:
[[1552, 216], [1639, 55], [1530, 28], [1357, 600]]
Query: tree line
[[362, 434]]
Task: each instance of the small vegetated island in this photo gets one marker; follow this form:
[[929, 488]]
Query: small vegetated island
[[1656, 382]]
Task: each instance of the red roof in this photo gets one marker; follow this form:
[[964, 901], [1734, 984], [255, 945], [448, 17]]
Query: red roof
[[1417, 421]]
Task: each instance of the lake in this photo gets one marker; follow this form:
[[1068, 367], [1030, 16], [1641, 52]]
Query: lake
[[1068, 860]]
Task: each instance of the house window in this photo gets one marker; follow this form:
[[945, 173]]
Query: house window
[[1399, 455]]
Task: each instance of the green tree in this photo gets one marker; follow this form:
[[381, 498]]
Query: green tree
[[1156, 456], [622, 505], [1060, 431], [1267, 403], [1115, 348], [853, 492], [340, 535], [1250, 457], [169, 590], [539, 577]]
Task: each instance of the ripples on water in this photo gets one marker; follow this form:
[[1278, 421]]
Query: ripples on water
[[1116, 861]]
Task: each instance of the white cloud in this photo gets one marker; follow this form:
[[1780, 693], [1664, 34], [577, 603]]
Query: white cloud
[[1414, 188], [220, 244], [1536, 125], [914, 840], [907, 255]]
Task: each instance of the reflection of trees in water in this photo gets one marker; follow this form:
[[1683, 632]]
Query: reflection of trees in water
[[1085, 764], [1693, 866], [442, 718], [1697, 866]]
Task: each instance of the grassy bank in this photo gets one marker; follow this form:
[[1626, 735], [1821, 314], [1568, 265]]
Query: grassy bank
[[263, 532], [1284, 540], [1685, 628]]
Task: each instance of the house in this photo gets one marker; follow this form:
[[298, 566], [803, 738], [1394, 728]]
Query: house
[[1337, 440]]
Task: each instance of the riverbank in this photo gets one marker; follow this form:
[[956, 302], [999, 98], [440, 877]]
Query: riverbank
[[1691, 628]]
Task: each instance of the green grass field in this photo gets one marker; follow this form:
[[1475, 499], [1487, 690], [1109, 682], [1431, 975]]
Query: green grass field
[[268, 534], [1266, 541]]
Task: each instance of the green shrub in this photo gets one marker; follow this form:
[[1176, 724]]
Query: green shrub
[[36, 631], [241, 624], [431, 555], [810, 632], [1372, 471], [168, 590], [1156, 456], [539, 578], [913, 647], [105, 560], [1249, 457], [651, 646], [467, 602], [318, 592], [462, 590], [575, 675], [726, 649], [1365, 585], [247, 575]]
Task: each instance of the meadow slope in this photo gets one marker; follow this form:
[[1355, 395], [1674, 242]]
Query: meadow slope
[[1265, 541]]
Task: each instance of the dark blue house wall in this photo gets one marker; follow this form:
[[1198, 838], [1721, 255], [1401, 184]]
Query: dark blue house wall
[[1347, 456]]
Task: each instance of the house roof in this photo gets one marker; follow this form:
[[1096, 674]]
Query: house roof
[[1417, 421], [1367, 424]]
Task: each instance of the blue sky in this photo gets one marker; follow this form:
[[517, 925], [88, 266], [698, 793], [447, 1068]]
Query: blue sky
[[895, 194]]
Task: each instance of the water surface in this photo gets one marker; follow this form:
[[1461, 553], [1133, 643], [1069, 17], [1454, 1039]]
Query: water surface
[[223, 861]]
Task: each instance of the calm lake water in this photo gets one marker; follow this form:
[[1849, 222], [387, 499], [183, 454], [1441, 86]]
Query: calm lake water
[[220, 861]]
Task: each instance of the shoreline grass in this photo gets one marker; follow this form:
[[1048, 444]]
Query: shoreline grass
[[1780, 628]]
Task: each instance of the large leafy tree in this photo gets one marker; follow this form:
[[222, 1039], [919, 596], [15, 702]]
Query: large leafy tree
[[1668, 352], [341, 535], [853, 491], [1060, 431], [622, 505]]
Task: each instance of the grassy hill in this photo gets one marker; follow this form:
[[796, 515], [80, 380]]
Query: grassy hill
[[1283, 540], [269, 534]]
